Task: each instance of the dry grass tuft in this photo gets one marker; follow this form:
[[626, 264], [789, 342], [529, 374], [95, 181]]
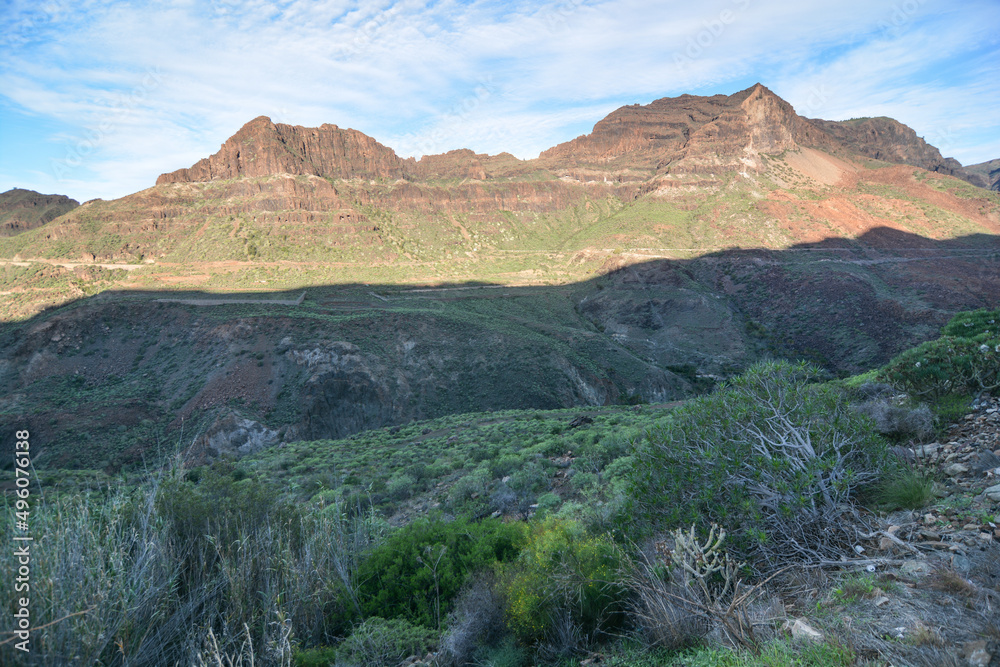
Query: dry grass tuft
[[947, 580]]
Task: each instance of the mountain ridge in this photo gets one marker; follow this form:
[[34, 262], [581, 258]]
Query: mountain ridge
[[21, 210], [687, 134]]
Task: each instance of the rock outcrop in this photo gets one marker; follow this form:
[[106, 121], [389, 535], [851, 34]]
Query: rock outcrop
[[263, 148], [21, 210], [889, 140], [688, 134]]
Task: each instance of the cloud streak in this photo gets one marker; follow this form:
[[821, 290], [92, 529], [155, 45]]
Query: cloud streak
[[425, 76]]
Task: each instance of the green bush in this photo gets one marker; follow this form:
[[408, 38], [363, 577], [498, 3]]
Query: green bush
[[417, 572], [973, 323], [965, 359], [768, 455], [323, 656], [474, 483], [507, 654], [378, 642], [908, 490], [951, 408], [563, 572]]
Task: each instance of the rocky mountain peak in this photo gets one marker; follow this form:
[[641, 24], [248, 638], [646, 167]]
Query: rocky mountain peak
[[691, 133], [263, 148], [680, 136], [771, 122]]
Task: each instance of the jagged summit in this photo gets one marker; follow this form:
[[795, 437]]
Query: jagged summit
[[263, 148], [675, 136], [690, 133]]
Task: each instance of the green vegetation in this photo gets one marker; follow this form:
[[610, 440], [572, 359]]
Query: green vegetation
[[908, 489], [963, 361], [771, 453], [610, 534], [564, 578], [474, 464], [417, 572]]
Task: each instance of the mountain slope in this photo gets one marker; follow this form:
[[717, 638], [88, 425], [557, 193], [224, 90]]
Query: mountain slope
[[989, 171], [889, 140], [21, 210], [672, 246]]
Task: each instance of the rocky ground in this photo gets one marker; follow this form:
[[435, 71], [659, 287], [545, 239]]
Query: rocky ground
[[967, 460], [929, 591]]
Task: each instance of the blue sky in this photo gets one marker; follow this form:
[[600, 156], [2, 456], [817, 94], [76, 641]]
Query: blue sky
[[97, 98]]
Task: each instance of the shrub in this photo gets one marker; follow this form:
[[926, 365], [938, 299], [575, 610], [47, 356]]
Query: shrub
[[563, 573], [898, 421], [475, 621], [147, 576], [378, 642], [548, 502], [530, 479], [909, 489], [472, 484], [507, 654], [417, 572], [691, 587], [400, 487], [767, 452], [322, 656], [965, 359], [503, 499]]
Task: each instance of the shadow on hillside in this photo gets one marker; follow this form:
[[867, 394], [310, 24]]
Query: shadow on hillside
[[109, 381]]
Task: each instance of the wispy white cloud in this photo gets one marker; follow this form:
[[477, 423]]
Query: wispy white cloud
[[424, 76]]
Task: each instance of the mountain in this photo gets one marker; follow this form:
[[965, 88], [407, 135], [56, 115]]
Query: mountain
[[989, 171], [889, 140], [21, 210], [689, 134], [261, 148], [307, 283]]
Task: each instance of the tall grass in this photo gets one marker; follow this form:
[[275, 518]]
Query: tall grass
[[121, 578]]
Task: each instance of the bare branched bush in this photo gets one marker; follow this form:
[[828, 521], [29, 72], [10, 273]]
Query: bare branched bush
[[769, 452], [475, 621], [563, 639], [692, 588]]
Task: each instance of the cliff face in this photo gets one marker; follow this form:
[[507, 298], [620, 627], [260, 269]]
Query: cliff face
[[262, 148], [21, 210], [684, 136], [889, 140], [691, 134]]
